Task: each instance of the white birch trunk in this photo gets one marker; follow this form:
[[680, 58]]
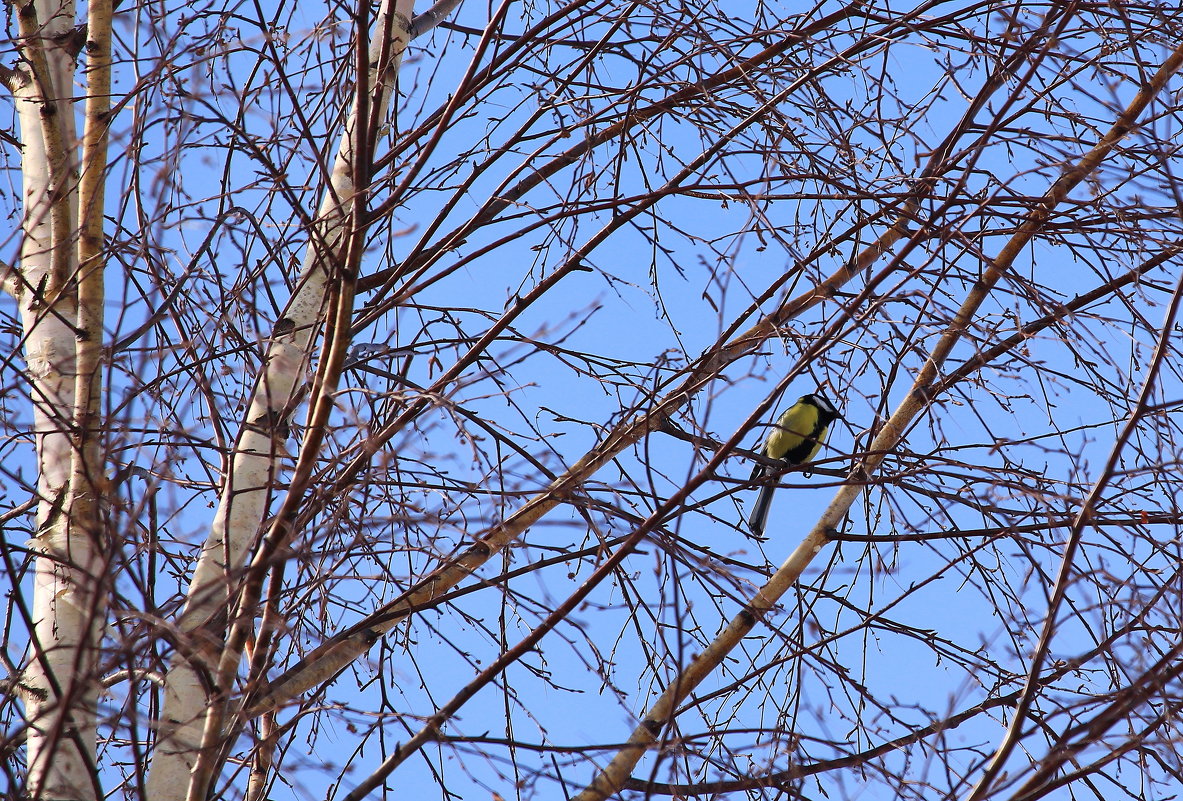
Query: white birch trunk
[[260, 449], [58, 684]]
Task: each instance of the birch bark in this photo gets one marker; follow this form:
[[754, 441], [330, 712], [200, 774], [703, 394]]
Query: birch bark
[[260, 450], [63, 330]]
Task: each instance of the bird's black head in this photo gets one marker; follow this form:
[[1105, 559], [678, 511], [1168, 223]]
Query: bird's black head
[[826, 410]]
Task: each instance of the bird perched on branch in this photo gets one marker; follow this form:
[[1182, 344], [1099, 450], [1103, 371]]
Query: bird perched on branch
[[795, 439]]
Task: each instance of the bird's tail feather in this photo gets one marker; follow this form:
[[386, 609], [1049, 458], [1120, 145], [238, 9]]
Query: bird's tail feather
[[759, 516]]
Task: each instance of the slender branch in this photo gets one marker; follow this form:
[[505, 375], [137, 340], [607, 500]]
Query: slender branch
[[194, 718], [326, 660], [510, 191], [1058, 192], [1064, 579], [429, 19], [612, 777], [1088, 733]]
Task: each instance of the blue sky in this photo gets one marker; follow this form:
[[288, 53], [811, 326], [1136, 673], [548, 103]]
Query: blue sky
[[658, 292]]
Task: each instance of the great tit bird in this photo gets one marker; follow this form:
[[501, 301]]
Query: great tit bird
[[795, 439]]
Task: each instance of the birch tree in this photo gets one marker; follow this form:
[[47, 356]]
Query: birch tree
[[381, 386]]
